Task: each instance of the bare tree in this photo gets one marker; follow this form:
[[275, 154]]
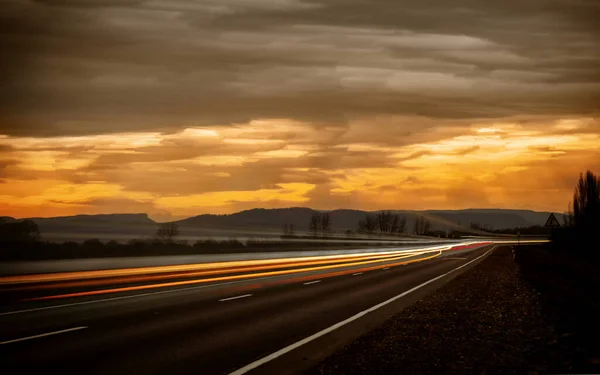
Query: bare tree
[[325, 222], [426, 226], [389, 223], [167, 232], [422, 226], [315, 223], [368, 224], [399, 224], [383, 220]]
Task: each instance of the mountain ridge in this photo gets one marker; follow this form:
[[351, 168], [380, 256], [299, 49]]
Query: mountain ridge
[[267, 221]]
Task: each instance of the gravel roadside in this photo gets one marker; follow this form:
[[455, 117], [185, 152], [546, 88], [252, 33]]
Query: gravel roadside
[[485, 321]]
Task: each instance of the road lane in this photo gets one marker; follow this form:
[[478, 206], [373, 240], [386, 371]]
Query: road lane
[[191, 331], [281, 352], [53, 286]]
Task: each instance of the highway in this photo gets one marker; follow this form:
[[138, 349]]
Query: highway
[[266, 316]]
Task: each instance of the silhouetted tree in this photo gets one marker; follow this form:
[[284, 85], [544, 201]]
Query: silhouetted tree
[[368, 224], [325, 222], [586, 203], [389, 223], [315, 223], [167, 232], [93, 242], [112, 243], [383, 219], [583, 219], [422, 226], [399, 225], [19, 231]]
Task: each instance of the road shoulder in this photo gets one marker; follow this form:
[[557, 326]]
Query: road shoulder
[[487, 320]]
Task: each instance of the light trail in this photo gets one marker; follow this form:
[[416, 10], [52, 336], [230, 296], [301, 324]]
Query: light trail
[[215, 279], [134, 279], [226, 271], [64, 276]]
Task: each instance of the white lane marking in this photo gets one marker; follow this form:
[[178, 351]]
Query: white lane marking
[[453, 258], [386, 268], [356, 274], [132, 296], [312, 282], [43, 335], [308, 339], [236, 297]]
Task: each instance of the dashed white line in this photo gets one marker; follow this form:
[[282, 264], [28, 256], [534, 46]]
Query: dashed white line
[[308, 339], [312, 282], [386, 268], [356, 274], [236, 297], [42, 335], [128, 297]]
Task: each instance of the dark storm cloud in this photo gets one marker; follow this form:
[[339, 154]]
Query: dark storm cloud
[[83, 67]]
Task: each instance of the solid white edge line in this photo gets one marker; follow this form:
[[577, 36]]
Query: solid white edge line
[[312, 282], [308, 339], [43, 335], [356, 274], [236, 297]]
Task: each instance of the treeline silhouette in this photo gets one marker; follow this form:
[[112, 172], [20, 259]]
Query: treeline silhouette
[[23, 231], [579, 233]]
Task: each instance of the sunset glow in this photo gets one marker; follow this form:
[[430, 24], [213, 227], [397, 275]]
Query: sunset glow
[[183, 108], [211, 169]]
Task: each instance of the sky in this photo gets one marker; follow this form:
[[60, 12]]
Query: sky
[[182, 107]]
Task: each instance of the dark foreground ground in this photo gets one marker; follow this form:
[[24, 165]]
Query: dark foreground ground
[[526, 317]]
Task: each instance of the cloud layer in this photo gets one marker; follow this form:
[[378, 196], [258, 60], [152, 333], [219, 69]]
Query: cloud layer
[[180, 106]]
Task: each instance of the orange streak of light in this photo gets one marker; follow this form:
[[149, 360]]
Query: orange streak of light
[[64, 276], [190, 282], [109, 281], [345, 272]]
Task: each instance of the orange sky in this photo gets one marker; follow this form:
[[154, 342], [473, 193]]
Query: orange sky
[[178, 108], [282, 163]]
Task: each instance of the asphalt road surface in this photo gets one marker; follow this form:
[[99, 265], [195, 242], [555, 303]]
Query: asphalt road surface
[[280, 323]]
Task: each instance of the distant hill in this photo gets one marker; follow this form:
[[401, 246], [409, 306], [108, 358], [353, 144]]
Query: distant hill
[[260, 221], [88, 226], [274, 219]]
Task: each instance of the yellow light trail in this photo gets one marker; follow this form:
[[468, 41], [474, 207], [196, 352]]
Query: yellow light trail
[[132, 279], [173, 271], [64, 276], [224, 278]]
